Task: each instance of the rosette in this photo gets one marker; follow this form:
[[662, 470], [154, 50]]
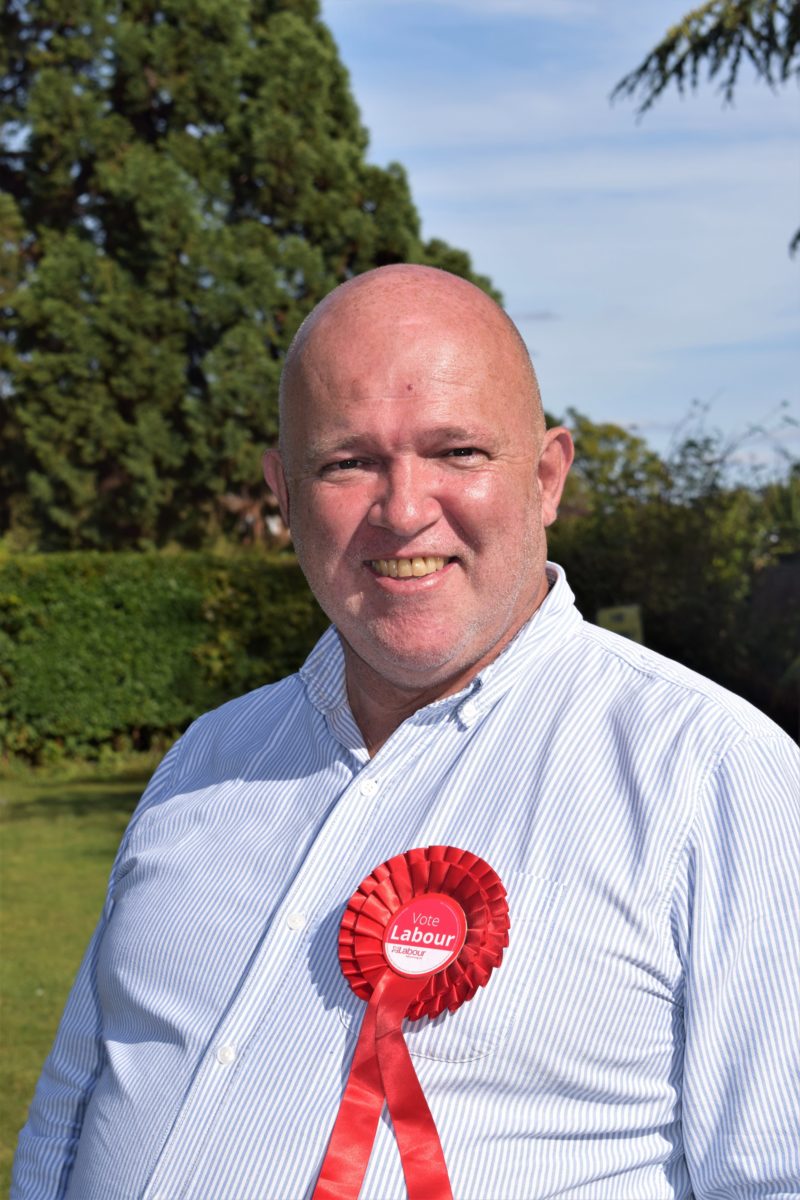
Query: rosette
[[419, 936]]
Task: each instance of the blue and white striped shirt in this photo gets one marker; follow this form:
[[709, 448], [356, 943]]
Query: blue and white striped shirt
[[640, 1039]]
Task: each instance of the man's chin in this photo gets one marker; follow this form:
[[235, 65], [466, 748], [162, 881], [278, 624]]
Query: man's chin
[[422, 667]]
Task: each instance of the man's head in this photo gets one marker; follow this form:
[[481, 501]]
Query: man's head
[[416, 474]]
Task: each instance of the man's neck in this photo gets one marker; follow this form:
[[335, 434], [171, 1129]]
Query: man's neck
[[380, 705]]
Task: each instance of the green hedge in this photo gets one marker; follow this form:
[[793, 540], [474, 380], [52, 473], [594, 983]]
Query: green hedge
[[102, 653], [108, 652]]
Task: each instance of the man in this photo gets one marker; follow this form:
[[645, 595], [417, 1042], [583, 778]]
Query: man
[[640, 1038]]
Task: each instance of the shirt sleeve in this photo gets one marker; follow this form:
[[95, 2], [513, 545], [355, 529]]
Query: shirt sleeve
[[739, 936], [49, 1140]]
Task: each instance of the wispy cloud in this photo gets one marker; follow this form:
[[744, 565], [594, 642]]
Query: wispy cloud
[[648, 258]]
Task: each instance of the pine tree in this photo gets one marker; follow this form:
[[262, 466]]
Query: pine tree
[[718, 36], [183, 180]]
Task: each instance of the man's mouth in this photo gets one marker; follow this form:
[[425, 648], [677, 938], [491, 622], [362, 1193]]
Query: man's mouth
[[407, 568]]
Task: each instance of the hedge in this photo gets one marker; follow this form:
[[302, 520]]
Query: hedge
[[111, 652], [107, 652]]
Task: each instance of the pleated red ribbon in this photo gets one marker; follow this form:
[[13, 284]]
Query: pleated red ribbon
[[467, 893]]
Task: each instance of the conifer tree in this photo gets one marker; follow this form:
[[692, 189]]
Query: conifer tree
[[182, 181], [719, 36]]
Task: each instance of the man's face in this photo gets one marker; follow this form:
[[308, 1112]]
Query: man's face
[[416, 498]]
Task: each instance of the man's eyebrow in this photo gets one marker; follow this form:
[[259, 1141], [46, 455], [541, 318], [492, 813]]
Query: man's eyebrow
[[315, 450], [457, 433]]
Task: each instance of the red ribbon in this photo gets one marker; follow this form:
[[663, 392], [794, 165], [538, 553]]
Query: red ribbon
[[382, 1067]]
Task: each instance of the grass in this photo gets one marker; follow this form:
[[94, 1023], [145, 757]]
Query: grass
[[57, 840]]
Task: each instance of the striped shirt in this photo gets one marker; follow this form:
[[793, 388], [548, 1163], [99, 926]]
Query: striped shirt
[[640, 1039]]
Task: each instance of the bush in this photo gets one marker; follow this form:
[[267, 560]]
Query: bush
[[711, 596], [108, 652]]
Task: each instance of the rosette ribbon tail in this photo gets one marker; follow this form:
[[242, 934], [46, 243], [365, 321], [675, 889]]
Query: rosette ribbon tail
[[421, 1152], [382, 1069], [350, 1145]]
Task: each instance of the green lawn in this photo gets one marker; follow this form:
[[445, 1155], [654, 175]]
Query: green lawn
[[57, 841]]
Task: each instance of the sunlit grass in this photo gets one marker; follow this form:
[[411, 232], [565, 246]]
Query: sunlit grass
[[57, 842]]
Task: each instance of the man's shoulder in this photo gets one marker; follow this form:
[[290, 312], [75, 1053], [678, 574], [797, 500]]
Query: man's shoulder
[[251, 738], [245, 717], [613, 681], [230, 739], [637, 679]]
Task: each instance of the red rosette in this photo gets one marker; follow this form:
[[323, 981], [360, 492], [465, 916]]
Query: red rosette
[[462, 876], [461, 895]]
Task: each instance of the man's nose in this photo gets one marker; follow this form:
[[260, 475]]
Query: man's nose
[[406, 502]]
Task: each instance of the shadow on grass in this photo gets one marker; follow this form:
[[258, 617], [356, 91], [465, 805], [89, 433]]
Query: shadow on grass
[[78, 798]]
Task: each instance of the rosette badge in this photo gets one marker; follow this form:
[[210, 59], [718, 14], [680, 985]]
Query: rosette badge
[[420, 935]]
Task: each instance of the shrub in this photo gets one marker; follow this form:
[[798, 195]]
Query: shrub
[[102, 652]]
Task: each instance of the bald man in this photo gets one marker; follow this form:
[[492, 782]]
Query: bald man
[[640, 1037], [417, 479]]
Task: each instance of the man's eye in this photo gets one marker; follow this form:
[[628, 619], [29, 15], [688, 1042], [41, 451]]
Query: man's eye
[[344, 464], [463, 452]]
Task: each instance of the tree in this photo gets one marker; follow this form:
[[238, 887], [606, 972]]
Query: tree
[[182, 182], [612, 468], [705, 554], [720, 35]]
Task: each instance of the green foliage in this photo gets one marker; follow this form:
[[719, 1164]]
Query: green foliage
[[612, 467], [719, 35], [108, 652], [702, 555], [183, 182]]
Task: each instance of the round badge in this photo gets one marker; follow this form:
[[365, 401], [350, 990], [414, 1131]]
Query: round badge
[[425, 935]]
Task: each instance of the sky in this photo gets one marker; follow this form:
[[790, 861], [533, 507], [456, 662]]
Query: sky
[[645, 260]]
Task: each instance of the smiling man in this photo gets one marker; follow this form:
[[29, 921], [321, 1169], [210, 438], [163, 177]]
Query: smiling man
[[639, 1039], [417, 478]]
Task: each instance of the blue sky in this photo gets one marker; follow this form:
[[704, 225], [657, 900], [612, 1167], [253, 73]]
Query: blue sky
[[645, 261]]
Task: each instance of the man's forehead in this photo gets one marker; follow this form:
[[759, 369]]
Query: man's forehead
[[352, 332], [436, 388], [397, 356]]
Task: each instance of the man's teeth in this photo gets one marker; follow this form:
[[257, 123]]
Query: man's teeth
[[404, 568]]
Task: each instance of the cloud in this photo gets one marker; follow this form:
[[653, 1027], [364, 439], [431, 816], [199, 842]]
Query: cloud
[[488, 112], [647, 259]]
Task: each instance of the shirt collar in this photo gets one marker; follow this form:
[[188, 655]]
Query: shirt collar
[[553, 622]]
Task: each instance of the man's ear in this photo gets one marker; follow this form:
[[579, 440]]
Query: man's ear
[[555, 461], [276, 481]]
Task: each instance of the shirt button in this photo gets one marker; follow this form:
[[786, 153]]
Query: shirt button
[[296, 921], [469, 712], [226, 1055], [369, 787]]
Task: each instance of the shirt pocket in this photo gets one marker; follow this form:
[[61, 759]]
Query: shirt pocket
[[481, 1025]]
